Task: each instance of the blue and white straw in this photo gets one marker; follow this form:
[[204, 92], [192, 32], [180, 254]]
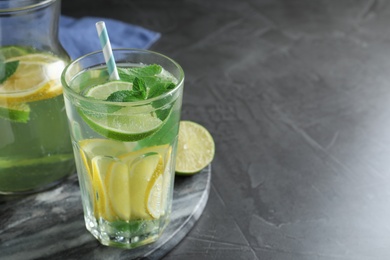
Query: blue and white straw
[[107, 50]]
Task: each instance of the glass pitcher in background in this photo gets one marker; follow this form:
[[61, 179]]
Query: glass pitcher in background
[[35, 147]]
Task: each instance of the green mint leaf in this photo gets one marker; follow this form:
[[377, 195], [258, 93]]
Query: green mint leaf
[[140, 87], [129, 74], [155, 92], [160, 87], [125, 76], [123, 96], [146, 83], [171, 86], [7, 69], [145, 71], [150, 70]]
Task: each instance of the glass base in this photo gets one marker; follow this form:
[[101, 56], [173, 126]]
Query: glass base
[[126, 234]]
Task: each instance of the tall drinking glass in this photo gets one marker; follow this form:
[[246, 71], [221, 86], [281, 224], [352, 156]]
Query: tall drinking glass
[[125, 148]]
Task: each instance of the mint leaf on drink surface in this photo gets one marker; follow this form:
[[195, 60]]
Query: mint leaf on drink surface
[[147, 78], [160, 88], [137, 93], [7, 69], [128, 74], [122, 96], [139, 87]]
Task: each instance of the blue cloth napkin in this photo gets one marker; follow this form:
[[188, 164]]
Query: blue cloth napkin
[[79, 36]]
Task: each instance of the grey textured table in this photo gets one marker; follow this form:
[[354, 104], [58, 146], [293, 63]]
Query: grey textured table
[[297, 96], [50, 224]]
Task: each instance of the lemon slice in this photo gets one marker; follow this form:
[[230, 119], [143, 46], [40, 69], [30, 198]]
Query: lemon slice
[[134, 188], [195, 149], [154, 203], [159, 190], [100, 202], [90, 148], [97, 155], [13, 51], [155, 189], [168, 180], [117, 184], [36, 78]]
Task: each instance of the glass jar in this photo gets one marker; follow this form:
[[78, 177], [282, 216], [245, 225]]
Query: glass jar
[[35, 147]]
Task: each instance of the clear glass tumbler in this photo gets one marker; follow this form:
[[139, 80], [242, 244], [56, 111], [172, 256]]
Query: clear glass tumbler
[[125, 151]]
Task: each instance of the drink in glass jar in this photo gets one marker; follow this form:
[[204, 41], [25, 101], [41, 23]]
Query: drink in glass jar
[[35, 149]]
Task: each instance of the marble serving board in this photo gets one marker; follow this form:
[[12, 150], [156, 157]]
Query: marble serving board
[[50, 224]]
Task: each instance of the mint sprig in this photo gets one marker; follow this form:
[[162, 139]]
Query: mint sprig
[[137, 93], [146, 84], [7, 69]]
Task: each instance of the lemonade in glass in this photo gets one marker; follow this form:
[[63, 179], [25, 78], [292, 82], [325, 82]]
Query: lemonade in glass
[[124, 134]]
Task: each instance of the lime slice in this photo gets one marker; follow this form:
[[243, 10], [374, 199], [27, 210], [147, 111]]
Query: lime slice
[[18, 112], [102, 92], [195, 149], [122, 127], [124, 124]]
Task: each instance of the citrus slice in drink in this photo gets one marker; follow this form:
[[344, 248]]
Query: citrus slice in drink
[[97, 156], [163, 184], [195, 148], [101, 205], [118, 121], [154, 201], [117, 182], [135, 187], [90, 148], [18, 112], [102, 92], [13, 51], [35, 78]]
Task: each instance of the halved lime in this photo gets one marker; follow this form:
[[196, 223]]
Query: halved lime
[[18, 112], [195, 149], [128, 128], [121, 123]]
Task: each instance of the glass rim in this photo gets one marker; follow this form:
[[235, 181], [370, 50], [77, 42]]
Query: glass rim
[[79, 96], [23, 5]]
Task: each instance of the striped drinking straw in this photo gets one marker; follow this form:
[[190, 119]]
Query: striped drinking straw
[[107, 51]]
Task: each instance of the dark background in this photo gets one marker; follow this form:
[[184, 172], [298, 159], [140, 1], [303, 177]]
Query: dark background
[[296, 95]]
